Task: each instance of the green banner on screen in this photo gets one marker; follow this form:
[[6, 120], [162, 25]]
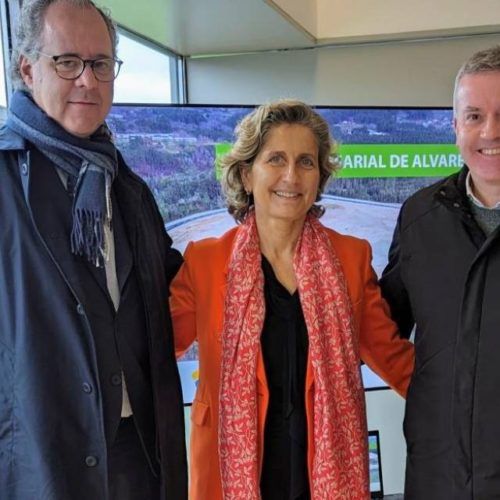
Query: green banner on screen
[[399, 160], [220, 150], [388, 160]]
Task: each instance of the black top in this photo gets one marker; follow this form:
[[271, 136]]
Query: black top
[[284, 346]]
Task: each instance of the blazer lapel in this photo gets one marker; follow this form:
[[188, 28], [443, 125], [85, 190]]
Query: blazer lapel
[[123, 252]]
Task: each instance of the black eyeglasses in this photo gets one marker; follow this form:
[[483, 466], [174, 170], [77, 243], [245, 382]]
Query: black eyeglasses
[[70, 67]]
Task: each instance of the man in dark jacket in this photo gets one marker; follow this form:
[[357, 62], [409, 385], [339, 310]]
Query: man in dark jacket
[[90, 400], [444, 276]]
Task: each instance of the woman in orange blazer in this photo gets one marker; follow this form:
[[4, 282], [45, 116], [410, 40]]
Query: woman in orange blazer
[[283, 309]]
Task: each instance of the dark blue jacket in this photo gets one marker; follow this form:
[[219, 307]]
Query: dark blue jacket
[[51, 425]]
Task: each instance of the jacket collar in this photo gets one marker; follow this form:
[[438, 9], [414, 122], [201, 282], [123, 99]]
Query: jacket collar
[[452, 191], [10, 140]]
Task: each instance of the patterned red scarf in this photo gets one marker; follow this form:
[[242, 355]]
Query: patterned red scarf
[[340, 462]]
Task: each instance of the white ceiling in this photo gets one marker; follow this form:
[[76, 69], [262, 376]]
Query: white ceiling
[[232, 26], [212, 27]]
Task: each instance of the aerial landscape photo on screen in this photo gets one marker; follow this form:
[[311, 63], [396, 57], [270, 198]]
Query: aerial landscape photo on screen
[[387, 154]]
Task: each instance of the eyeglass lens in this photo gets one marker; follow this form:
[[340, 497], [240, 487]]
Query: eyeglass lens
[[71, 67]]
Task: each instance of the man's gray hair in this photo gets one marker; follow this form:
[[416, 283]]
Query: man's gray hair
[[30, 28], [480, 62]]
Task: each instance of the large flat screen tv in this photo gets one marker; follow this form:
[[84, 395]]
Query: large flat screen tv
[[388, 153]]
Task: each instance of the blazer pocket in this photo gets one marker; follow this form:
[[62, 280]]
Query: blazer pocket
[[200, 413]]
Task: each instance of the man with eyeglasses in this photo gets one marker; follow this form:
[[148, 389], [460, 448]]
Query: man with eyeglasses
[[90, 400]]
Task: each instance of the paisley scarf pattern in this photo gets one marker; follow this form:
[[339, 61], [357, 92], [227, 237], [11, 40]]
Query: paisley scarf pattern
[[340, 461]]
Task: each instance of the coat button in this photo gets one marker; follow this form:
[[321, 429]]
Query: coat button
[[80, 309], [91, 461], [87, 388], [24, 168], [116, 379], [456, 204]]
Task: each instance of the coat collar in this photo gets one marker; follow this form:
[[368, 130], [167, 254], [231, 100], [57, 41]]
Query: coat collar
[[10, 140]]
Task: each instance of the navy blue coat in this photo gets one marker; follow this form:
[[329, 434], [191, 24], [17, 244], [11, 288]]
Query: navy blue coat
[[49, 422]]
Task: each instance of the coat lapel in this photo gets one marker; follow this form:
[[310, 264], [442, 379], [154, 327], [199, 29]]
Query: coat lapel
[[126, 222], [51, 207]]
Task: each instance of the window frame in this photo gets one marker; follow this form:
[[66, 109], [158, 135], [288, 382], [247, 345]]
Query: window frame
[[178, 85]]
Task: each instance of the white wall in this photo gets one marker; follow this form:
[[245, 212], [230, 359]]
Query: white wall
[[385, 412], [410, 73]]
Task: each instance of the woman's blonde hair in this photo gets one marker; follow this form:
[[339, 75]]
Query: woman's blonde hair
[[251, 135]]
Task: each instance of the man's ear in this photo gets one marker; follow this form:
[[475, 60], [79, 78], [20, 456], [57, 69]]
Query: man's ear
[[26, 70]]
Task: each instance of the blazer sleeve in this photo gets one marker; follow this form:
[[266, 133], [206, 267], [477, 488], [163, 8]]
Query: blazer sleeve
[[381, 346], [393, 287], [183, 305]]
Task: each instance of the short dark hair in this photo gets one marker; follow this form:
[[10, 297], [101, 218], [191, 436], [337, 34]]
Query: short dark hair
[[479, 62]]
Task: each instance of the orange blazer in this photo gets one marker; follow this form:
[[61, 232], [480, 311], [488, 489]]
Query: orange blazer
[[197, 304]]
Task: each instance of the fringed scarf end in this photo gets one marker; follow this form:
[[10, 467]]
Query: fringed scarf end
[[87, 236]]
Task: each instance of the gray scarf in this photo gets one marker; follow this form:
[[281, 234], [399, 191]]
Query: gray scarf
[[91, 164]]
